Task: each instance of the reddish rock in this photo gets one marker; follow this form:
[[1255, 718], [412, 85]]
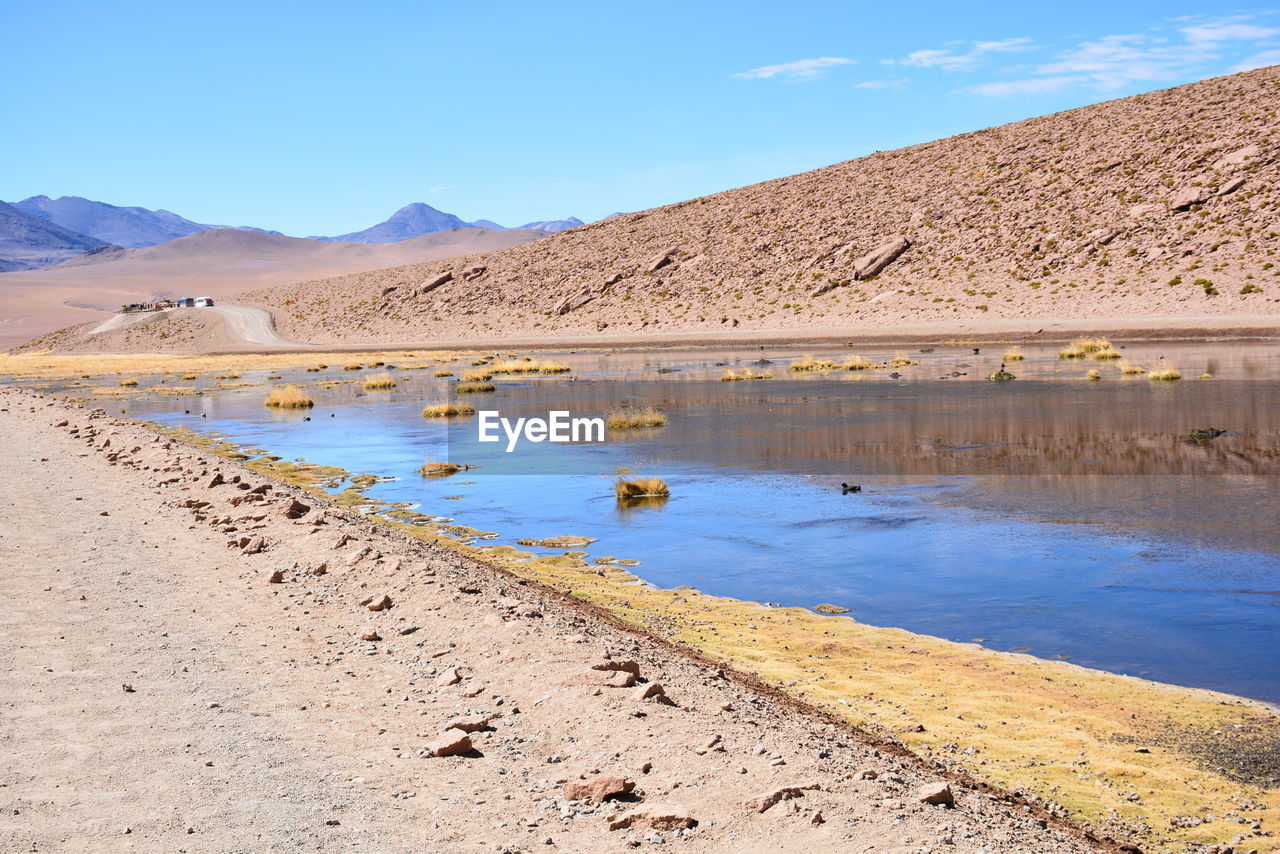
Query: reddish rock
[[783, 793], [652, 692], [609, 678], [936, 793], [470, 723], [252, 545], [597, 790], [655, 817], [292, 508], [277, 577], [628, 666], [371, 636], [450, 743], [449, 677], [379, 603]]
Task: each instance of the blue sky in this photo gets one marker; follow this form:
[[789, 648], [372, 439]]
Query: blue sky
[[323, 118]]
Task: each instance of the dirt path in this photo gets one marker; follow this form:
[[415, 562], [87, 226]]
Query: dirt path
[[259, 719], [249, 327]]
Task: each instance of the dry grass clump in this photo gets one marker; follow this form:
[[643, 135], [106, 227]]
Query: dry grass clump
[[632, 419], [862, 363], [640, 487], [901, 360], [1164, 371], [1014, 354], [744, 374], [447, 410], [476, 376], [475, 387], [380, 381], [1093, 374], [1072, 351], [808, 363], [129, 381], [289, 397], [1127, 367], [527, 365], [430, 469], [443, 373], [353, 366], [190, 376], [230, 376], [1108, 353], [1092, 344]]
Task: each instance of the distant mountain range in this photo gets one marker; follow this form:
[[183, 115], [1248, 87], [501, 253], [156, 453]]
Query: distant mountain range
[[418, 219], [28, 242], [39, 231]]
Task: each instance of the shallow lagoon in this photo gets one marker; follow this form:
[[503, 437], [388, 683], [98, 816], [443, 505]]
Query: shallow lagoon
[[1051, 515]]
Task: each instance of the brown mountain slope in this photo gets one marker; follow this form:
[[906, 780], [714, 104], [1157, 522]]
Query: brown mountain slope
[[213, 263], [1163, 204]]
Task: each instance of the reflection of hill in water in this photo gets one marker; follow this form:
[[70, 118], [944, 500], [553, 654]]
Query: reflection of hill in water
[[937, 428]]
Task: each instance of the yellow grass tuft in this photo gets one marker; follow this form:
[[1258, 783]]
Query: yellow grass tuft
[[862, 363], [190, 376], [631, 419], [744, 374], [1109, 353], [353, 366], [1014, 354], [807, 363], [447, 410], [289, 397], [1127, 367], [640, 487], [131, 381], [1072, 351], [430, 469], [383, 380], [901, 360], [443, 373], [1164, 371], [476, 376], [1093, 374], [1092, 344], [475, 387]]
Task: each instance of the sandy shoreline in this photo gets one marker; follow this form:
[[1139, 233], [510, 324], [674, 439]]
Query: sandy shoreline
[[212, 335], [425, 581], [270, 685]]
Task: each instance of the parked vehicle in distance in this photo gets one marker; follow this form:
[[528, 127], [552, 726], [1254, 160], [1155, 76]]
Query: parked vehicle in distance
[[204, 302]]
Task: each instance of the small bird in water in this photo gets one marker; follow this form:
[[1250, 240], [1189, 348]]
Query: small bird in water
[[846, 488], [976, 350], [308, 418]]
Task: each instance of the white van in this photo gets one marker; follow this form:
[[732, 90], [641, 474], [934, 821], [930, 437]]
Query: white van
[[204, 302]]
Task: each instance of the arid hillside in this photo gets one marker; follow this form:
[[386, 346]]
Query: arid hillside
[[1159, 205], [215, 262]]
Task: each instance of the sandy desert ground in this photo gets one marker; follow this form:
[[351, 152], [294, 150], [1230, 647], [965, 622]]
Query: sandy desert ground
[[165, 692]]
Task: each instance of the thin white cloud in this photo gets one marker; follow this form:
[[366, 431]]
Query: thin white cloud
[[1123, 61], [1226, 31], [881, 84], [801, 69], [1258, 60], [951, 60], [1031, 86], [437, 189]]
